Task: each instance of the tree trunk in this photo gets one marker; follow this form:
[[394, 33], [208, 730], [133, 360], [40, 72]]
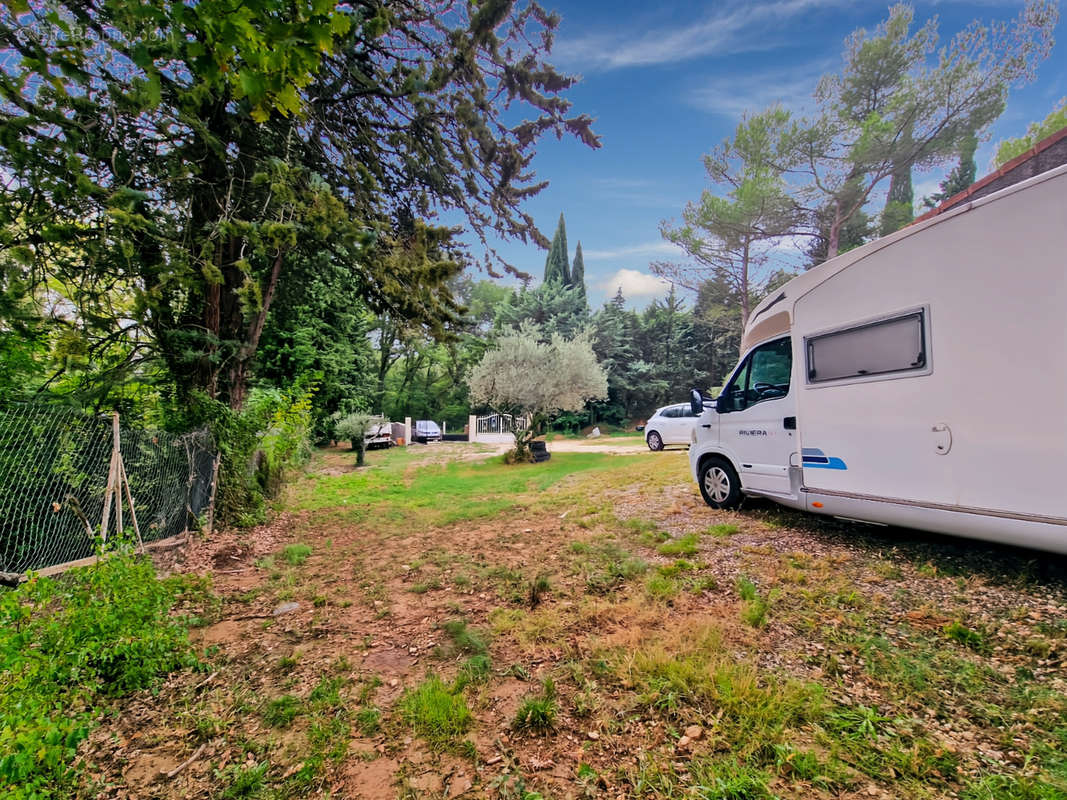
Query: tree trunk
[[833, 241]]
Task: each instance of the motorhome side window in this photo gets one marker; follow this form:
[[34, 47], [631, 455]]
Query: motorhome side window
[[764, 375], [878, 348]]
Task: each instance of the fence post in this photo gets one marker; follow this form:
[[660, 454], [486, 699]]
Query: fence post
[[407, 431], [472, 428], [211, 500]]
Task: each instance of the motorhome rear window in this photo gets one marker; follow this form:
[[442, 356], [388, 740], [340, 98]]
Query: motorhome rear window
[[877, 348]]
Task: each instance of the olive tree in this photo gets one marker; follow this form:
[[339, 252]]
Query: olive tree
[[524, 374]]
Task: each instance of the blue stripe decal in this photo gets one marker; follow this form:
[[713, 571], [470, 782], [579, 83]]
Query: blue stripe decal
[[814, 458], [831, 463]]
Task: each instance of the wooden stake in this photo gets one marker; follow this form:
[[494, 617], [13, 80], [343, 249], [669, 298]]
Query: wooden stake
[[116, 461], [129, 499]]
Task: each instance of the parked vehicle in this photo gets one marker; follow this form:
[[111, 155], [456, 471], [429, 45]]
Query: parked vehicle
[[670, 425], [379, 433], [426, 430], [918, 380]]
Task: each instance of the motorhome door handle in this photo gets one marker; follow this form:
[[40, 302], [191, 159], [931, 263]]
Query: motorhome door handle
[[790, 423]]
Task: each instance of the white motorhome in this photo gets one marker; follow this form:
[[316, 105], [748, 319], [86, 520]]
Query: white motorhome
[[919, 380]]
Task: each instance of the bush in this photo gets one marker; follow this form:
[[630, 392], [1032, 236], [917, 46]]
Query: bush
[[67, 644], [257, 446]]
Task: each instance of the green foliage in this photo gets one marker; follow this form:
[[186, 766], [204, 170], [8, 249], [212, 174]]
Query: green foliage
[[352, 428], [557, 268], [885, 113], [66, 645], [523, 374], [281, 711], [437, 713], [1010, 148], [537, 714], [975, 640], [683, 546], [296, 554], [727, 779], [257, 447], [177, 201]]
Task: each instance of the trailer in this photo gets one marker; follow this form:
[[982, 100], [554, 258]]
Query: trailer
[[379, 433], [919, 380]]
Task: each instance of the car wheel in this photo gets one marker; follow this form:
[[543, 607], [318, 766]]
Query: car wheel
[[719, 484], [655, 441]]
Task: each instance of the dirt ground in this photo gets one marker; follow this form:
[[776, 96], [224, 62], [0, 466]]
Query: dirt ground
[[572, 596]]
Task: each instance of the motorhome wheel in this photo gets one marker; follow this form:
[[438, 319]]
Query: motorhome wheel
[[719, 484]]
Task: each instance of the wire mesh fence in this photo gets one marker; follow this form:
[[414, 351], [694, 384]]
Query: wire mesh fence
[[54, 479]]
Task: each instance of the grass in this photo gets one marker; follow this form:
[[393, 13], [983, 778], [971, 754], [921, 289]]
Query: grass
[[296, 554], [393, 495], [684, 546], [436, 713], [817, 670], [538, 714]]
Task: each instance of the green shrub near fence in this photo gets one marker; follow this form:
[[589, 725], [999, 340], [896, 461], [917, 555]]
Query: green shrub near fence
[[67, 645]]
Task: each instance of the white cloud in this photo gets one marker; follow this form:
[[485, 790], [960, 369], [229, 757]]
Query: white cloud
[[734, 95], [739, 28], [634, 284], [645, 249]]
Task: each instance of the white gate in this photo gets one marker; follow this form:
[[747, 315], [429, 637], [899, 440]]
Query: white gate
[[498, 428]]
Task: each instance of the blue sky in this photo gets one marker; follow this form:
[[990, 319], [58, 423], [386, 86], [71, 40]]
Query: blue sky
[[666, 82]]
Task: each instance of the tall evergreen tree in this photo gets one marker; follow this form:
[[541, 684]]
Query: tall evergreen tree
[[578, 272], [962, 175], [900, 203], [556, 268]]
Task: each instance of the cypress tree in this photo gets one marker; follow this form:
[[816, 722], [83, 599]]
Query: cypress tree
[[556, 267], [578, 272]]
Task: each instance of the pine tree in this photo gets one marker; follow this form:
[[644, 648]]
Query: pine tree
[[578, 272], [900, 202], [556, 268]]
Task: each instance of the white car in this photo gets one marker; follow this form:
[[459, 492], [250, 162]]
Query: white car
[[670, 425]]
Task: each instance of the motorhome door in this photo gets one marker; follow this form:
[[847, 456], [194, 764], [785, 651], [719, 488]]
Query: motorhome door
[[757, 418]]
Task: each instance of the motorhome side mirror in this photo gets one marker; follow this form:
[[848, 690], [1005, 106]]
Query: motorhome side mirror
[[696, 402], [722, 403]]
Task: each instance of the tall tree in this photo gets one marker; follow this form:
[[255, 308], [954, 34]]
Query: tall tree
[[729, 236], [961, 176], [578, 272], [556, 267], [890, 110], [175, 149], [553, 306]]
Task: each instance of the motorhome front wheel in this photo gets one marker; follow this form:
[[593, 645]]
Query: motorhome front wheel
[[719, 484]]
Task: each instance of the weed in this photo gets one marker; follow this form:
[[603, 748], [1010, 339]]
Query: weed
[[756, 607], [244, 781], [464, 638], [368, 720], [426, 586], [972, 639], [661, 587], [538, 586], [675, 569], [475, 669], [685, 546], [722, 530], [537, 714], [296, 554], [726, 779], [435, 712], [281, 711], [1011, 787], [287, 663]]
